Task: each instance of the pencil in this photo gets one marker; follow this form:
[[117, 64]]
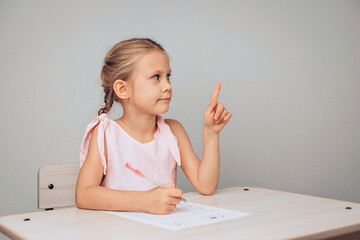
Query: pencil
[[153, 181]]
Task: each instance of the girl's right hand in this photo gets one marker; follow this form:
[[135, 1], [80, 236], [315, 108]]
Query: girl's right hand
[[163, 200]]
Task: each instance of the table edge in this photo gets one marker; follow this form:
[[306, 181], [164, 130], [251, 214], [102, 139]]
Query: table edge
[[290, 193], [4, 229]]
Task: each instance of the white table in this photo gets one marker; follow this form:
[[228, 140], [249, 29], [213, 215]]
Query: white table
[[274, 215]]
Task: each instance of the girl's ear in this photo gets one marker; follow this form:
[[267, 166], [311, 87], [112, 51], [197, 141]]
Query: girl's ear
[[121, 89]]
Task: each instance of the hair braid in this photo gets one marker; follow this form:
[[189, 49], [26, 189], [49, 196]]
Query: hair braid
[[108, 100]]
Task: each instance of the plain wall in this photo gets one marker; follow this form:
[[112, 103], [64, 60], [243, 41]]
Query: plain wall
[[290, 72]]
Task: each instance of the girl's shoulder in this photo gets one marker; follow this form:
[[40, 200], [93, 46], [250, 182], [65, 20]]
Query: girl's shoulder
[[176, 128], [172, 123]]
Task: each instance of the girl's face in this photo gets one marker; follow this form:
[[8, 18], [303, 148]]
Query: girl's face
[[150, 87]]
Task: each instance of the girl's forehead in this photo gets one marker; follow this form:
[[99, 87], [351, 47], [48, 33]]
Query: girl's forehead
[[152, 61]]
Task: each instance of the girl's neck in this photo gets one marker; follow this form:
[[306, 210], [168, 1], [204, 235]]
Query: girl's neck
[[142, 127]]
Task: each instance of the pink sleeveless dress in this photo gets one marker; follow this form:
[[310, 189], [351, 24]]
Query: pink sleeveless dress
[[157, 159]]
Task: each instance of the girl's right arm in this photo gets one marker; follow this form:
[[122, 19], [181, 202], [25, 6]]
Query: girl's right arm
[[90, 195]]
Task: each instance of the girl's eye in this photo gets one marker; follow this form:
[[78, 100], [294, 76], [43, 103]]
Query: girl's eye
[[157, 77]]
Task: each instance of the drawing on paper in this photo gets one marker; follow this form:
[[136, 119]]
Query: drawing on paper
[[185, 215]]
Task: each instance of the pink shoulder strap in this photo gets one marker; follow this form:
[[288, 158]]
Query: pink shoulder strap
[[170, 139], [103, 122]]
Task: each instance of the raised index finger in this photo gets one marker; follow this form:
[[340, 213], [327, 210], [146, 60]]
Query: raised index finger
[[215, 96]]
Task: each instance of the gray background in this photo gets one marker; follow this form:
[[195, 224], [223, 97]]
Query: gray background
[[290, 72]]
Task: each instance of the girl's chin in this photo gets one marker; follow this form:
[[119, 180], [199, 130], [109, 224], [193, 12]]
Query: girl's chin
[[162, 111]]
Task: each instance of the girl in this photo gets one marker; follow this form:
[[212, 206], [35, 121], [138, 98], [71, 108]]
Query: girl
[[136, 73]]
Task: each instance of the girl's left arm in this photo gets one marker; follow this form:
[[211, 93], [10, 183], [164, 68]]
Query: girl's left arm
[[203, 174]]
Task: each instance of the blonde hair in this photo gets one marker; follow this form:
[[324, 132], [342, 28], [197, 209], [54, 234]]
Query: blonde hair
[[120, 63]]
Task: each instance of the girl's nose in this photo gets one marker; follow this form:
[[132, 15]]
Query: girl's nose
[[166, 86]]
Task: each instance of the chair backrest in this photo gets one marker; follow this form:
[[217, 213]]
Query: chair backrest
[[56, 185]]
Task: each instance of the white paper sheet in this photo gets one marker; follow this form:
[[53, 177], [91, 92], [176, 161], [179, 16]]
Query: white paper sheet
[[185, 215]]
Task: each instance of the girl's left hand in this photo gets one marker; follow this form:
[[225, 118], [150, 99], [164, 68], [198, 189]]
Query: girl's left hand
[[216, 116]]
